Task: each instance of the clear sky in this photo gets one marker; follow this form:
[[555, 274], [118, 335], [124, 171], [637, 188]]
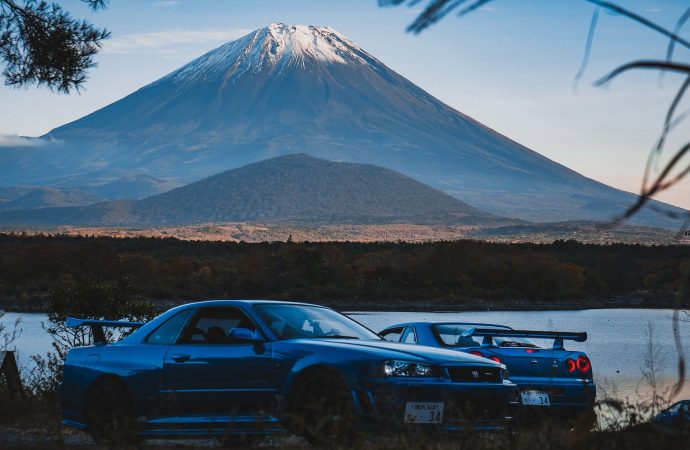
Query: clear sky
[[510, 65]]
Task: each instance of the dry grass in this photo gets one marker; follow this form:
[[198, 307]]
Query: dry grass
[[256, 232], [34, 422]]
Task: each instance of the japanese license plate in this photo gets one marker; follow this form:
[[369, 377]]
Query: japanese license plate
[[424, 412], [535, 398]]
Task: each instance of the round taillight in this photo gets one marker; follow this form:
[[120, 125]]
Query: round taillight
[[495, 358], [476, 353], [583, 364], [569, 365]]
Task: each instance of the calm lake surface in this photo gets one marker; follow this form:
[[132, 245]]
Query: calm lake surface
[[618, 343]]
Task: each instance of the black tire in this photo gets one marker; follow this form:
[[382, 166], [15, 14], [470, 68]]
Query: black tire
[[110, 414], [325, 412]]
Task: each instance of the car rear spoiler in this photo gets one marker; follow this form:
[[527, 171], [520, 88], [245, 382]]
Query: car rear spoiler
[[557, 336], [98, 325]]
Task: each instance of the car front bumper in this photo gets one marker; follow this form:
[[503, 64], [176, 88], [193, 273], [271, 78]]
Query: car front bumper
[[466, 406]]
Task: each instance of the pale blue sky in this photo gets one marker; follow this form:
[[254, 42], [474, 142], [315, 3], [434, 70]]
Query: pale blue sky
[[510, 65]]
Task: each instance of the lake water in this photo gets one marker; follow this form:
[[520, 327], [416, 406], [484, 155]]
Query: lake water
[[618, 343]]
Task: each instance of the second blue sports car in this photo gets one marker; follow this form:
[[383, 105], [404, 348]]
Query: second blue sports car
[[676, 415], [555, 381], [235, 369]]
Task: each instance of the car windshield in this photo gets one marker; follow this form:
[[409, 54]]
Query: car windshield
[[674, 409], [304, 321], [450, 335]]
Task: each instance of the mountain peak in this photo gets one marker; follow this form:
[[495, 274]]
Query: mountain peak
[[274, 48], [307, 41]]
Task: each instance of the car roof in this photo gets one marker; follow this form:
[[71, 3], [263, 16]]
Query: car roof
[[226, 302], [429, 323]]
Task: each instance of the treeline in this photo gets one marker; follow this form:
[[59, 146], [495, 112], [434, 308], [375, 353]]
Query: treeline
[[457, 274]]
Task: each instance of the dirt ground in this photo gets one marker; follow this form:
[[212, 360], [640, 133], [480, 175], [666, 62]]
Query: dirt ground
[[36, 438]]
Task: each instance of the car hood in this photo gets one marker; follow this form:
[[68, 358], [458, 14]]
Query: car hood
[[393, 350]]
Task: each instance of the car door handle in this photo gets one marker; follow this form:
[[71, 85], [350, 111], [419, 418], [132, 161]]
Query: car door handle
[[180, 358]]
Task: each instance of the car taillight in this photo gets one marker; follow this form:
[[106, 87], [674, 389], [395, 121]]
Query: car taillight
[[583, 364], [569, 365], [531, 350], [492, 357]]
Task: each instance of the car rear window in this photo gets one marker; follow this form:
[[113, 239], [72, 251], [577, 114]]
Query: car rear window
[[450, 335], [167, 333]]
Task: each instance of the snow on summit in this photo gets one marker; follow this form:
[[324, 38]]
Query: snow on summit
[[301, 42], [274, 48]]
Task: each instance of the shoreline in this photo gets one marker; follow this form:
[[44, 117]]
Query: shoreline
[[639, 301]]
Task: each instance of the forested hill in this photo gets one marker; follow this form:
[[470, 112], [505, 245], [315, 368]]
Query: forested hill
[[296, 188]]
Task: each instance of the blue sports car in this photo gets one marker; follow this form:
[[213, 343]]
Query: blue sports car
[[240, 369], [553, 380], [676, 415]]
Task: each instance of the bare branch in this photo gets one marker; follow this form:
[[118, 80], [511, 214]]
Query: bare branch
[[642, 20], [435, 11], [478, 4], [678, 387], [588, 48], [659, 185], [658, 65], [668, 120], [672, 43]]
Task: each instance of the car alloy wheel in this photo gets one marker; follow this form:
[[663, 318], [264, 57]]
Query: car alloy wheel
[[109, 414], [325, 411]]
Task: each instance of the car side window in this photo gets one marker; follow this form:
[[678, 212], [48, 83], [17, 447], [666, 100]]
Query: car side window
[[168, 331], [392, 334], [409, 336], [213, 325]]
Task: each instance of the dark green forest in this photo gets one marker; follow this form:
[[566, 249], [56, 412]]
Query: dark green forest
[[458, 274]]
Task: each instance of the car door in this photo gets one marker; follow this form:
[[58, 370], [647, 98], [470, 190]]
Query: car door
[[209, 374]]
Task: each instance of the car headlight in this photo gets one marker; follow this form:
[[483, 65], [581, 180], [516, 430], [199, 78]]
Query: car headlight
[[409, 369]]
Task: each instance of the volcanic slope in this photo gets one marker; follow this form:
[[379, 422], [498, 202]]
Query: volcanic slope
[[303, 89]]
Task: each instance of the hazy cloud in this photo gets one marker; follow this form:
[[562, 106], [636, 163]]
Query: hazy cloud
[[653, 10], [162, 40], [13, 140]]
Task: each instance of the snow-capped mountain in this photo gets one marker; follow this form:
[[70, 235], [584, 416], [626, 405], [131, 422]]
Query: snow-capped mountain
[[302, 89], [273, 49]]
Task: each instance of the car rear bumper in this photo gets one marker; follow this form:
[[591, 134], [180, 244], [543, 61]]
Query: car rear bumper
[[568, 397]]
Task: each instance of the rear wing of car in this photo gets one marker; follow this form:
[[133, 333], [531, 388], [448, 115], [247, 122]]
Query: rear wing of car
[[557, 336], [98, 325]]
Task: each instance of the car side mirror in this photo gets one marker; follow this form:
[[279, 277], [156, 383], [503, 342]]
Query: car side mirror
[[245, 334]]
